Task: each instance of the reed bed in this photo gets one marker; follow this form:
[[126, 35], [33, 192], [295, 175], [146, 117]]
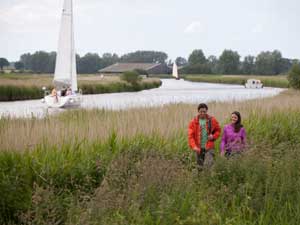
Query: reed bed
[[134, 167], [97, 124], [268, 81], [23, 87]]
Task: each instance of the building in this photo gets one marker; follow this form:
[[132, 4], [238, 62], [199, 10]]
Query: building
[[151, 68]]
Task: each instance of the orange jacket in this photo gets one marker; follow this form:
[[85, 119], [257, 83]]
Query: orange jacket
[[194, 132]]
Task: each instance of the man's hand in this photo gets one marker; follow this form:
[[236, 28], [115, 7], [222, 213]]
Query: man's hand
[[210, 137], [198, 150]]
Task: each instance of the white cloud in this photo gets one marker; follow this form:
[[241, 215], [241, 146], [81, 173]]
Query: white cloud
[[194, 27], [29, 16]]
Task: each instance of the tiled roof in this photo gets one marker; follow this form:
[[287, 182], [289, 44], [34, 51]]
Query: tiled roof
[[123, 67]]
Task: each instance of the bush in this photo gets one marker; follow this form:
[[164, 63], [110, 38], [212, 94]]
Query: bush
[[141, 72], [131, 77], [294, 76]]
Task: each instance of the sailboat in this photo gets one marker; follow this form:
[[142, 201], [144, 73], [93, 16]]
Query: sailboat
[[65, 76], [175, 71]]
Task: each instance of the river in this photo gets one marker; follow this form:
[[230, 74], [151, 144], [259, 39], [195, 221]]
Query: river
[[171, 91]]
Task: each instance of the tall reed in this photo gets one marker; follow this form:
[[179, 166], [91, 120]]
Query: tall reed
[[95, 167]]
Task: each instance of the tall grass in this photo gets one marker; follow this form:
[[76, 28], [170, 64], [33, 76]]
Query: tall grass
[[23, 87], [95, 167], [268, 81]]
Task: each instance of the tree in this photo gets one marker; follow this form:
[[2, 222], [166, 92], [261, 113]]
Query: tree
[[145, 57], [108, 59], [90, 63], [277, 61], [294, 76], [197, 69], [212, 62], [248, 65], [229, 62], [40, 62], [19, 65], [269, 63], [3, 62], [180, 61], [26, 60], [131, 77], [197, 57]]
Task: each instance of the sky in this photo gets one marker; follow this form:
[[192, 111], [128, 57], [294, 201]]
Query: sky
[[176, 27]]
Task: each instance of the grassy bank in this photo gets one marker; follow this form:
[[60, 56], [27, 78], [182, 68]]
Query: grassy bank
[[268, 81], [96, 167], [21, 87]]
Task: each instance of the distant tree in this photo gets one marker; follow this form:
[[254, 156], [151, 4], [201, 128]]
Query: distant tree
[[145, 57], [269, 63], [212, 62], [19, 65], [286, 65], [131, 77], [40, 62], [3, 62], [90, 63], [26, 60], [277, 61], [229, 62], [180, 61], [51, 62], [197, 69], [197, 57], [108, 59], [141, 72], [248, 65], [294, 76]]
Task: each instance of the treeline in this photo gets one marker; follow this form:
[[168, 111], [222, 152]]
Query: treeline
[[44, 62], [229, 62]]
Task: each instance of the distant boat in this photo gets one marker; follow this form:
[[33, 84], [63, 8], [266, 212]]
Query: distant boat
[[65, 76], [253, 83], [175, 71]]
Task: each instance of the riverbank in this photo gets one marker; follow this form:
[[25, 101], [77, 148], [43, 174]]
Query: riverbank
[[268, 81], [134, 167], [24, 87]]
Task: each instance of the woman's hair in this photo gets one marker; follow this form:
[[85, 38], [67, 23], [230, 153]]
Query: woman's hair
[[238, 125]]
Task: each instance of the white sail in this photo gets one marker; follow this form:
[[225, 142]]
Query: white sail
[[65, 68], [175, 70]]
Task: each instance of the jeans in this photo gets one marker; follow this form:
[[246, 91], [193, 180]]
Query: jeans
[[205, 158]]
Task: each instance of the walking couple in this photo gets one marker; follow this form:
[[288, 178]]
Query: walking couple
[[204, 130]]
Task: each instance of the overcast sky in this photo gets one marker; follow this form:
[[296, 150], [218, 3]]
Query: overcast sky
[[174, 26]]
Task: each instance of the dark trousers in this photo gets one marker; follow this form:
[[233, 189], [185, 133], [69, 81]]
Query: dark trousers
[[205, 158]]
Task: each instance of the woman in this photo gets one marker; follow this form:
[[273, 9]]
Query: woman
[[234, 136]]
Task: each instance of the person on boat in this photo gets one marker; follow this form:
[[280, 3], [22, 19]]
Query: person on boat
[[203, 131], [54, 94], [69, 91], [234, 136], [63, 91]]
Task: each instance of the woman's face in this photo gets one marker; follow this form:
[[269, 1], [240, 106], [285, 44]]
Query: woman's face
[[234, 118]]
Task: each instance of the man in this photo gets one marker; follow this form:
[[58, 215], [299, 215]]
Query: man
[[203, 131]]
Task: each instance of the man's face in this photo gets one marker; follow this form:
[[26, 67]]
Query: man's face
[[202, 113]]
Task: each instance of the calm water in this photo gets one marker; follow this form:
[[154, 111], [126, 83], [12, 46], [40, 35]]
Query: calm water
[[171, 91]]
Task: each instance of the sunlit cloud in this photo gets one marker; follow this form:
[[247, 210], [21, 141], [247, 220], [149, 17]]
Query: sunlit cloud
[[194, 27]]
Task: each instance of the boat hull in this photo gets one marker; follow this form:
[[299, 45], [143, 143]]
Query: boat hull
[[63, 101], [254, 86]]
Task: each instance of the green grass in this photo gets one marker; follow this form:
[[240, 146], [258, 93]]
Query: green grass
[[268, 81], [21, 92], [151, 179]]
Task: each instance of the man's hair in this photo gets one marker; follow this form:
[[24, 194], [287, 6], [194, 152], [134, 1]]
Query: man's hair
[[202, 106]]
